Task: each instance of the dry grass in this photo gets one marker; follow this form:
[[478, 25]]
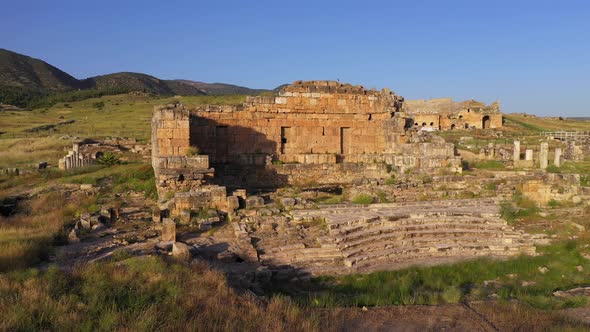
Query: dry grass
[[26, 237], [143, 293], [23, 151]]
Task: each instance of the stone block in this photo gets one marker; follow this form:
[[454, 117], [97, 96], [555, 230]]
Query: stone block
[[254, 201], [168, 230], [233, 202], [181, 251]]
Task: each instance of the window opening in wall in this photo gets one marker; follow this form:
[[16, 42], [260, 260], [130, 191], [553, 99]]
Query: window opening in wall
[[424, 123], [284, 131], [370, 116], [432, 124], [486, 122], [452, 126], [344, 140], [466, 126]]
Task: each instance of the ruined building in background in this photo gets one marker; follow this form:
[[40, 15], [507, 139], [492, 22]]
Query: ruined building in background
[[323, 132], [445, 114]]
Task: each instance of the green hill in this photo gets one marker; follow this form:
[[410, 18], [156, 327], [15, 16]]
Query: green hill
[[219, 89], [33, 83], [19, 70], [141, 82]]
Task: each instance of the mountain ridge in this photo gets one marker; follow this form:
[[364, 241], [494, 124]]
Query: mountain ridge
[[25, 80]]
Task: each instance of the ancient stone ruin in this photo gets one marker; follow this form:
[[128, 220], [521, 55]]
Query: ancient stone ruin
[[75, 159], [446, 114], [320, 133]]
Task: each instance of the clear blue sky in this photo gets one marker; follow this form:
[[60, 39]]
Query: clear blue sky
[[534, 56]]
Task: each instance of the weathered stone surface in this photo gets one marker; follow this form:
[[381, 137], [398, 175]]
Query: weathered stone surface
[[233, 202], [168, 230], [516, 155], [73, 236], [445, 114], [254, 201], [288, 201], [181, 251], [543, 155]]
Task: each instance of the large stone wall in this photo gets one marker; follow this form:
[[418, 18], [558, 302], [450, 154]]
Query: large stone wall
[[318, 131], [306, 118], [445, 114]]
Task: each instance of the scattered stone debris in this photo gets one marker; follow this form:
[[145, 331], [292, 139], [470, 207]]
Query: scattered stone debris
[[581, 291]]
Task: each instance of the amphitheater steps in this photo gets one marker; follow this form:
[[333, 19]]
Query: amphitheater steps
[[368, 238]]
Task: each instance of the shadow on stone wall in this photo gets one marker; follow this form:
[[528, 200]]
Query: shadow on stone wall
[[240, 155]]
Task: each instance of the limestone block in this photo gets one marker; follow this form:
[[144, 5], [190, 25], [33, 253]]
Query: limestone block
[[254, 201], [168, 230], [543, 155], [233, 202], [557, 157], [181, 251], [288, 201], [529, 154], [516, 155]]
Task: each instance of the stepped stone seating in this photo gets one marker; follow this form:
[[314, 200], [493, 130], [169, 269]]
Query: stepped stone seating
[[389, 236]]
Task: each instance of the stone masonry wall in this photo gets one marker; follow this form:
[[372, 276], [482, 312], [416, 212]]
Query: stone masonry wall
[[445, 114], [298, 122]]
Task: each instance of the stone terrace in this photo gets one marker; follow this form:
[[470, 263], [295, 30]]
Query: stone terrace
[[390, 236]]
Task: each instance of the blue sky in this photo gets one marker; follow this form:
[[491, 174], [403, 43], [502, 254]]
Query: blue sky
[[534, 56]]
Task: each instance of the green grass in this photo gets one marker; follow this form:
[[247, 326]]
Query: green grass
[[333, 199], [363, 199], [524, 123], [487, 164], [125, 115], [456, 282]]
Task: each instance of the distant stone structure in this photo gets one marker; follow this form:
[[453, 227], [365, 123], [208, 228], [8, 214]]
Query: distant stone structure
[[315, 131], [75, 159], [446, 114]]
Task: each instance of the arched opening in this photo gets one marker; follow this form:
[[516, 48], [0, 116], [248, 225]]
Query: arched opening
[[452, 126], [460, 116], [423, 123], [180, 178], [98, 154], [432, 124], [486, 122], [466, 126], [415, 124]]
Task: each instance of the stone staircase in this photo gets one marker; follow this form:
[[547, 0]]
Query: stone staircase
[[389, 236]]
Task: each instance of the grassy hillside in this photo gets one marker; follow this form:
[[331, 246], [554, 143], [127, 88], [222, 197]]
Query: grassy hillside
[[34, 74], [33, 83], [221, 88]]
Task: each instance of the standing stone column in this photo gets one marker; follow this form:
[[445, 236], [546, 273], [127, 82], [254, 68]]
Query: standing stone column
[[557, 160], [543, 155], [529, 154], [516, 155]]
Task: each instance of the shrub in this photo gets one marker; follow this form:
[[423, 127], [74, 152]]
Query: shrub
[[553, 169], [98, 104], [390, 180], [553, 204], [585, 180], [490, 186], [108, 159], [389, 168], [452, 295], [508, 212], [362, 199], [192, 151], [382, 197]]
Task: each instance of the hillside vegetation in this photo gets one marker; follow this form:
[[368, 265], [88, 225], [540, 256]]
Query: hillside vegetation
[[32, 83]]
